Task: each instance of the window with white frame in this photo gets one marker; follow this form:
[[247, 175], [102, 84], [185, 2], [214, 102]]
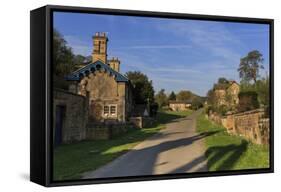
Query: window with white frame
[[106, 110], [113, 110], [110, 110]]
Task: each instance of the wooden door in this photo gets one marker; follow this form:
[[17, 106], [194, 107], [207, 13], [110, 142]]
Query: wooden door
[[60, 113]]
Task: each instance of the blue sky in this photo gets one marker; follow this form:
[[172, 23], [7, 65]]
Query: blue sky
[[175, 54]]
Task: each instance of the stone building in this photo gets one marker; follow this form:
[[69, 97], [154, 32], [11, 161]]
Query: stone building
[[70, 116], [108, 91], [99, 101], [179, 105], [227, 94]]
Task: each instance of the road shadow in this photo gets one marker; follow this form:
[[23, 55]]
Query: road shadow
[[228, 155], [126, 165], [189, 166]]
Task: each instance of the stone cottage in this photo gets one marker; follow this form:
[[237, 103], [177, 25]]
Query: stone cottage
[[180, 105], [108, 91], [227, 94], [98, 94]]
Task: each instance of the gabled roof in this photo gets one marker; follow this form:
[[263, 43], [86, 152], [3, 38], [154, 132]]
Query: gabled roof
[[98, 65]]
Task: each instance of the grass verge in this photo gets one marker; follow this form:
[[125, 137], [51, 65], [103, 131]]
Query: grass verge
[[229, 152], [71, 160]]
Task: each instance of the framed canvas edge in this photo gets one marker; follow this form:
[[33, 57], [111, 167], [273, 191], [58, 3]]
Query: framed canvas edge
[[48, 146]]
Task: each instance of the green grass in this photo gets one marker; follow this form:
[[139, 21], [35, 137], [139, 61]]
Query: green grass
[[229, 152], [71, 160]]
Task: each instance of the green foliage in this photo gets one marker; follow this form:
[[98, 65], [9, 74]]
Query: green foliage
[[211, 97], [63, 58], [161, 98], [79, 59], [250, 65], [172, 96], [153, 109], [72, 160], [197, 103], [143, 89], [223, 80], [64, 61], [263, 90], [185, 95], [248, 100], [222, 109], [229, 152], [222, 83], [261, 87]]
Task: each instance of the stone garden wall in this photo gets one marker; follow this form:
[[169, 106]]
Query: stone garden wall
[[75, 116], [141, 122], [77, 126], [103, 131], [250, 124]]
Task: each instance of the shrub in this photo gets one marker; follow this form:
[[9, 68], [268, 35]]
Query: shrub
[[248, 100], [222, 109], [153, 109]]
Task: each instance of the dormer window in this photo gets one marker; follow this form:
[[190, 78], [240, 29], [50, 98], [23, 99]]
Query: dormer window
[[98, 66]]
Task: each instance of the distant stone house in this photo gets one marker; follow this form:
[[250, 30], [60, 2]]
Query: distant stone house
[[98, 93], [179, 105], [227, 94]]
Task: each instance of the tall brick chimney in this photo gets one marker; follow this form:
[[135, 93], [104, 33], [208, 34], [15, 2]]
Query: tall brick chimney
[[114, 63], [100, 47]]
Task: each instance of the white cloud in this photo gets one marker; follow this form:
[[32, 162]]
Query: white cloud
[[210, 36], [194, 38]]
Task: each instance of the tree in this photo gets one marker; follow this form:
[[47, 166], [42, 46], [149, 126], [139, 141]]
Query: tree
[[172, 96], [263, 91], [79, 59], [250, 65], [142, 87], [223, 80], [211, 97], [161, 98], [222, 83], [197, 103], [63, 58], [185, 95], [248, 100], [261, 87]]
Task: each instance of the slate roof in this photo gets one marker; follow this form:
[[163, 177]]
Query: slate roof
[[98, 65]]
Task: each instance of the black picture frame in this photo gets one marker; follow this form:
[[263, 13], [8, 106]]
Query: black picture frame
[[41, 144]]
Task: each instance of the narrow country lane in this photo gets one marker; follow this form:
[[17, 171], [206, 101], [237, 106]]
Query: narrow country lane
[[175, 149]]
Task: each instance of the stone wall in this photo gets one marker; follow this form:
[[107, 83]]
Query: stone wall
[[141, 122], [75, 115], [103, 131], [250, 124]]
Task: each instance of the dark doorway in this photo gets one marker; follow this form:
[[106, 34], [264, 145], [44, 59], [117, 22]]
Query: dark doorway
[[60, 114]]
